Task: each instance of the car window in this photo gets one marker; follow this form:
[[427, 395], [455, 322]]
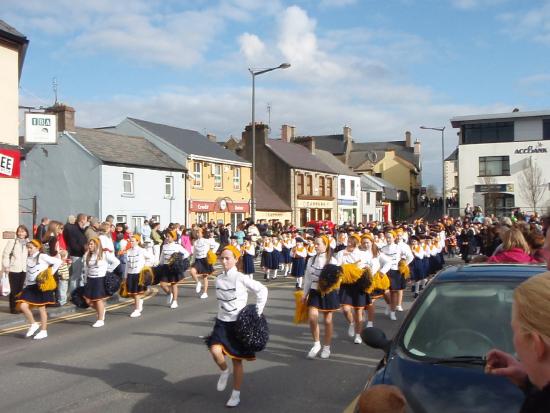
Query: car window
[[461, 319]]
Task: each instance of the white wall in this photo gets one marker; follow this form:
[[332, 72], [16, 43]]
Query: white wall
[[356, 182], [527, 129], [149, 194]]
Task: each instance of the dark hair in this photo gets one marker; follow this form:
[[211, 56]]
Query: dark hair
[[24, 228]]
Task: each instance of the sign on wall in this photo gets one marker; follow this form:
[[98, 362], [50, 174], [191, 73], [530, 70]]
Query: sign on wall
[[40, 128], [495, 188], [10, 164]]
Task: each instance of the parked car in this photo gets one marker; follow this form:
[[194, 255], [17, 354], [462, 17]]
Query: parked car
[[322, 225], [437, 358]]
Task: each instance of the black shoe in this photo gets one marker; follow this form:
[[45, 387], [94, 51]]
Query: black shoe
[[416, 295], [265, 276]]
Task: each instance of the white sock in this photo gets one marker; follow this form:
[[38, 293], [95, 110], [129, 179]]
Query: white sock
[[236, 393], [317, 344], [424, 283], [417, 286], [251, 276], [300, 282]]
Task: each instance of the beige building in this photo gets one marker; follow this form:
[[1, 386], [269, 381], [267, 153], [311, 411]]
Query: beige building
[[451, 175], [13, 46]]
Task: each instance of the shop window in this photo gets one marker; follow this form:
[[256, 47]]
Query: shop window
[[494, 165]]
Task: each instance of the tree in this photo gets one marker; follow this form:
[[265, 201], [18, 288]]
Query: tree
[[532, 186], [431, 191]]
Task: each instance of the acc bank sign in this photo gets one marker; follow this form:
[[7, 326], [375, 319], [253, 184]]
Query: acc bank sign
[[531, 149]]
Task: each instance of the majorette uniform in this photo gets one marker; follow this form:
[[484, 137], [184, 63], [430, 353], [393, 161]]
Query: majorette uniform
[[232, 289], [173, 276], [426, 258], [396, 252], [310, 253], [435, 261], [135, 263], [417, 264], [31, 294], [298, 261], [328, 302], [276, 255], [267, 254], [352, 294], [248, 259], [94, 273], [380, 264], [285, 252], [201, 247]]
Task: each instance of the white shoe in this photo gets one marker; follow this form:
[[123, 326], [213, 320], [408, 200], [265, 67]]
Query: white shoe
[[370, 324], [234, 400], [98, 323], [174, 304], [42, 334], [32, 329], [393, 317], [169, 299], [387, 311], [314, 351], [204, 296], [399, 308], [135, 314], [325, 354], [351, 330], [358, 339], [198, 287], [222, 381]]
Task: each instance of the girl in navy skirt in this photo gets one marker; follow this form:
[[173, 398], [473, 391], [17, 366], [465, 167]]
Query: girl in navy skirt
[[267, 256], [299, 254], [31, 295], [201, 269], [425, 260], [232, 289], [286, 259], [248, 254], [96, 266], [318, 302], [276, 256], [135, 263], [170, 279], [417, 265], [311, 251]]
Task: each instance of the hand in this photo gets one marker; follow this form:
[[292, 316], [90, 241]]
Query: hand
[[503, 364], [304, 298]]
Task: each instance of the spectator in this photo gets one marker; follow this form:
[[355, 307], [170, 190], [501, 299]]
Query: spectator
[[514, 249], [92, 231], [14, 262], [76, 246], [145, 231], [42, 228]]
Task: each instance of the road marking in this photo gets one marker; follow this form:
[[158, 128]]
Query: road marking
[[351, 406]]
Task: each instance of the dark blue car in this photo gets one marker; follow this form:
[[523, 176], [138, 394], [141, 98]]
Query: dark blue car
[[437, 358]]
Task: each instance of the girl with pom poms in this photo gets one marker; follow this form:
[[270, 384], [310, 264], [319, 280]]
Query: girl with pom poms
[[169, 279], [31, 295], [267, 257], [248, 254], [232, 289], [325, 302], [135, 262], [201, 269], [96, 266]]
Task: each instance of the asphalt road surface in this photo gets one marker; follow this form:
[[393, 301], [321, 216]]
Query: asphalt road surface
[[159, 362]]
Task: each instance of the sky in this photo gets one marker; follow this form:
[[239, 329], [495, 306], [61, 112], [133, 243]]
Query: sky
[[381, 67]]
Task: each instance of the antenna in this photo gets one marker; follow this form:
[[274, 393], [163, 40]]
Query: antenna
[[54, 87], [269, 116]]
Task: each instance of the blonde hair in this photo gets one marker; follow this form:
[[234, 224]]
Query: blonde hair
[[513, 238], [531, 300], [98, 252], [104, 227]]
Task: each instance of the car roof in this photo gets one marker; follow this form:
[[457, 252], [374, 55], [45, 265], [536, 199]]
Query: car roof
[[484, 272]]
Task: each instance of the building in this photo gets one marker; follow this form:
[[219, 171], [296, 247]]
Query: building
[[295, 174], [100, 173], [498, 157], [372, 200], [269, 205], [13, 47], [451, 176], [218, 187]]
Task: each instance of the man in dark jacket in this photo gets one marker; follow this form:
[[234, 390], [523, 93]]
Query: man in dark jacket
[[41, 230], [76, 246]]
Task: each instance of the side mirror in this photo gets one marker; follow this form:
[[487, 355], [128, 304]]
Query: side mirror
[[376, 338]]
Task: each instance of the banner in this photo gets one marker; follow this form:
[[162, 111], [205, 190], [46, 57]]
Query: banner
[[10, 163]]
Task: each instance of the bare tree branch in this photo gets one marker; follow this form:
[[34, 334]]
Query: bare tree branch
[[532, 186]]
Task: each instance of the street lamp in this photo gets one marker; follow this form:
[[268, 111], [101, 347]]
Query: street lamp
[[442, 130], [254, 73]]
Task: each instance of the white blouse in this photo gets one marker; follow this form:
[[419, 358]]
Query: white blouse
[[135, 260], [313, 270], [170, 249], [38, 263], [94, 268]]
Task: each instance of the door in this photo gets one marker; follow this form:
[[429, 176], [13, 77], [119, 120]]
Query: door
[[137, 224]]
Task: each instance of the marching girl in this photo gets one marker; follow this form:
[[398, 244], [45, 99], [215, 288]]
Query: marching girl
[[169, 281], [426, 247], [248, 253], [298, 254], [286, 260], [201, 269], [417, 265], [379, 241], [353, 298], [135, 263], [232, 289], [317, 302], [435, 250], [341, 243], [276, 255], [311, 251], [267, 257], [407, 255], [31, 295], [96, 266]]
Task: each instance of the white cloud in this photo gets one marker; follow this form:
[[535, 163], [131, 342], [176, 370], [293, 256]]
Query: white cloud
[[251, 47], [533, 24]]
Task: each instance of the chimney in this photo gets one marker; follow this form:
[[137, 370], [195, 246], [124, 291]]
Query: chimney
[[408, 140], [347, 134], [310, 144], [287, 133], [211, 137], [246, 140], [65, 117], [417, 147]]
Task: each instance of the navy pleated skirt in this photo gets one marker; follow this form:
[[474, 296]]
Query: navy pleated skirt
[[32, 295], [325, 303], [248, 264], [95, 289], [397, 281], [224, 335], [275, 260], [298, 267], [132, 285], [202, 266], [353, 295], [285, 256], [266, 259]]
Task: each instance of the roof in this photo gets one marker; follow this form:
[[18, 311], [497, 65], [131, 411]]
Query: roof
[[489, 272], [267, 200], [298, 156], [356, 159], [399, 147], [9, 33], [333, 162], [117, 149], [391, 193], [453, 156], [370, 185], [330, 143], [457, 121], [189, 141]]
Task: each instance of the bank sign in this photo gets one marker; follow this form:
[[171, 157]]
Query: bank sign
[[9, 163], [40, 128], [531, 149]]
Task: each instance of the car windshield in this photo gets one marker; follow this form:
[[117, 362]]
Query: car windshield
[[461, 319]]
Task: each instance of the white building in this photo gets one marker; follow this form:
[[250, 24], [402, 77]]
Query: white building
[[99, 173], [451, 175], [371, 200], [496, 152]]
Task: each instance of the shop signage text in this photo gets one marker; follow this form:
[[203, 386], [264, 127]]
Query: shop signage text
[[531, 149], [495, 188], [314, 204], [9, 163]]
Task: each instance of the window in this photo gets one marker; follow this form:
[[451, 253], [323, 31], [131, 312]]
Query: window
[[202, 217], [546, 129], [322, 186], [236, 219], [494, 165], [488, 132], [137, 224], [155, 218], [352, 187], [236, 178], [378, 174], [197, 174], [329, 187], [121, 219], [127, 183], [169, 187], [309, 184], [342, 187], [218, 177], [300, 184]]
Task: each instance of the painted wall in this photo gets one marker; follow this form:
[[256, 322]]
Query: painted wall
[[64, 178], [344, 209], [527, 129], [149, 196], [396, 173]]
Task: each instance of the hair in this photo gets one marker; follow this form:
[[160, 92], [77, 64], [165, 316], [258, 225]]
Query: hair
[[324, 238], [513, 238], [105, 227], [382, 398], [99, 250], [81, 216], [24, 228], [51, 231], [530, 299]]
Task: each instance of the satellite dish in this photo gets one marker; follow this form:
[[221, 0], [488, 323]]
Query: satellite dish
[[371, 156]]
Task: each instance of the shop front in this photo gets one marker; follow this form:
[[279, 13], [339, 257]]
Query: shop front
[[221, 211], [314, 210]]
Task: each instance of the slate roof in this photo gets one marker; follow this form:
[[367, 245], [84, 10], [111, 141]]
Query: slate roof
[[398, 146], [267, 200], [297, 156], [453, 156], [369, 185], [329, 159], [6, 29], [189, 141], [115, 149], [330, 143], [357, 158]]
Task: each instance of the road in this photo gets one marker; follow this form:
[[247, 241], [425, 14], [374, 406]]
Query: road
[[159, 363]]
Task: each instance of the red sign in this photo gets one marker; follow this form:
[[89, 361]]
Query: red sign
[[202, 206], [10, 164], [238, 207]]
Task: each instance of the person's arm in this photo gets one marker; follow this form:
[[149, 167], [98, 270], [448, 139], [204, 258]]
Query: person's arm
[[385, 263], [54, 262], [307, 277], [259, 290], [112, 262], [6, 255], [503, 364]]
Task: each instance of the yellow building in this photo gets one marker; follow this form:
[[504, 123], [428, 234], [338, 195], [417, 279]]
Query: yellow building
[[13, 46]]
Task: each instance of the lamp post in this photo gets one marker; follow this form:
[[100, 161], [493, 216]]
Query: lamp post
[[254, 73], [442, 130]]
